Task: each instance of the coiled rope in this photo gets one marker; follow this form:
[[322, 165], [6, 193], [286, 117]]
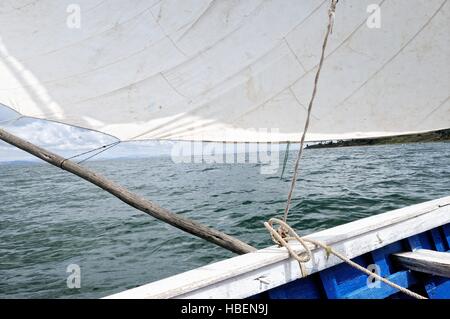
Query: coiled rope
[[285, 233], [307, 254]]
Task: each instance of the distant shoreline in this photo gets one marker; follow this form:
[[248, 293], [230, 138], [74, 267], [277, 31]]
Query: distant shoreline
[[436, 136]]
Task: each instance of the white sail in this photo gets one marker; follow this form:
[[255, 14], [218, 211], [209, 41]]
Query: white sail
[[227, 70]]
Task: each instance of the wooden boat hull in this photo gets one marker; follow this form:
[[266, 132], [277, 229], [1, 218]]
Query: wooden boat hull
[[344, 282], [372, 242]]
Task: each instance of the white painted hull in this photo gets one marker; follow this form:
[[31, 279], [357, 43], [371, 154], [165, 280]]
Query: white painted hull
[[258, 272]]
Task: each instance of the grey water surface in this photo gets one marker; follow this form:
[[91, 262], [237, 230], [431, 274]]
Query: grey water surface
[[50, 219]]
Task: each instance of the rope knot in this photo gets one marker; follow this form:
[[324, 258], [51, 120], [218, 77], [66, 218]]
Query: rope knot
[[285, 233]]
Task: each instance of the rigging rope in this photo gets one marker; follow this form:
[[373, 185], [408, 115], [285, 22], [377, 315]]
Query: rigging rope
[[331, 12], [307, 254], [93, 150], [5, 123], [285, 233], [100, 150], [286, 155]]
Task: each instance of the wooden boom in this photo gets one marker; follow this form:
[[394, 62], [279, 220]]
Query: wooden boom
[[140, 203]]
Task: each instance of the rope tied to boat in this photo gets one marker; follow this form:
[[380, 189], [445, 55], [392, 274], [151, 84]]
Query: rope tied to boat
[[285, 233], [307, 255]]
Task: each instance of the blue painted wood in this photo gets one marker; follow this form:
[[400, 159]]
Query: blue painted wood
[[382, 257], [438, 240], [438, 287], [343, 281], [421, 241], [329, 283], [305, 288], [414, 242], [381, 291], [446, 230]]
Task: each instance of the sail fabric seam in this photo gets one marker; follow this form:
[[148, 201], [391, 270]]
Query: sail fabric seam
[[295, 81], [436, 108], [202, 101], [392, 58]]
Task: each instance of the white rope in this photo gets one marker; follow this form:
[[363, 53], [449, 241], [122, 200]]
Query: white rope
[[307, 254], [311, 102]]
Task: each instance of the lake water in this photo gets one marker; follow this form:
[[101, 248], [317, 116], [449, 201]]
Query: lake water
[[50, 219]]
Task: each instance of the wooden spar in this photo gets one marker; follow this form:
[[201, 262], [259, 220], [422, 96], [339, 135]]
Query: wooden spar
[[146, 206], [426, 261]]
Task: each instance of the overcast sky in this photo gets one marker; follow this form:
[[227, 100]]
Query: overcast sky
[[67, 141]]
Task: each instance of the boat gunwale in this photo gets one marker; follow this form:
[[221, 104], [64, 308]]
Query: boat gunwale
[[366, 232]]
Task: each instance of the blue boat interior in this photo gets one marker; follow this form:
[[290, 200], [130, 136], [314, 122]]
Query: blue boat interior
[[345, 282]]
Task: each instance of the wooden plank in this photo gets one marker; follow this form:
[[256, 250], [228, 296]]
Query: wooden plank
[[132, 199], [253, 273], [426, 261]]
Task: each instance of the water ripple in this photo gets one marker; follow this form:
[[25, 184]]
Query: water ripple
[[50, 219]]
